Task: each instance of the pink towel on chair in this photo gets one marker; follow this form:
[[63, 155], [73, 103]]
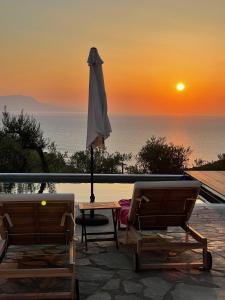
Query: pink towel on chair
[[123, 214]]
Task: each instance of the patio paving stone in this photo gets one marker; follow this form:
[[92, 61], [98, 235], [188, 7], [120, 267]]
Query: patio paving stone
[[112, 284], [83, 262], [196, 292], [86, 273], [113, 260], [100, 296], [131, 287], [156, 287], [127, 297]]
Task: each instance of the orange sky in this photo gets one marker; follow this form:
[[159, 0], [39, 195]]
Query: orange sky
[[147, 47]]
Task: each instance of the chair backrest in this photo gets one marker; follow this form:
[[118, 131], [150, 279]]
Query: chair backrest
[[37, 218], [162, 203]]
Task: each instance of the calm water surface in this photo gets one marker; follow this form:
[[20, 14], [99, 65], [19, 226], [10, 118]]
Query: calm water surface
[[205, 135]]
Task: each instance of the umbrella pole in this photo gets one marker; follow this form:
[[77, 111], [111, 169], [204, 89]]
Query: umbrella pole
[[92, 197], [95, 219], [92, 219]]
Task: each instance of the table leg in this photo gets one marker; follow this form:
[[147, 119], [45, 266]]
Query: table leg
[[84, 232], [115, 218]]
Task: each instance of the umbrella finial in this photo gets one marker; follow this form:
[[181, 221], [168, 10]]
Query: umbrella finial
[[94, 58]]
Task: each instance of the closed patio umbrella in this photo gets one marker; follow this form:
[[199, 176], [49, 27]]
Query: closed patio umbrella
[[98, 127]]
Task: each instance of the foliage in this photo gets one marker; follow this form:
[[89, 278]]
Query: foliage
[[13, 157], [104, 162], [24, 128], [199, 162], [218, 165], [25, 131], [133, 169], [57, 161], [159, 157]]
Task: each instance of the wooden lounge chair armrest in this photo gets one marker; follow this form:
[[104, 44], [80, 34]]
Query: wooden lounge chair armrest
[[2, 229], [200, 238], [8, 219], [63, 219], [143, 198]]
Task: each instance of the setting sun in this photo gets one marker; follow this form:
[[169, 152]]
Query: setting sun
[[180, 86]]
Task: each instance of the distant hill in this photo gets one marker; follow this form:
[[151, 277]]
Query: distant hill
[[15, 103]]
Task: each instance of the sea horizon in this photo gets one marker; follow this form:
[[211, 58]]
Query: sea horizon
[[204, 134]]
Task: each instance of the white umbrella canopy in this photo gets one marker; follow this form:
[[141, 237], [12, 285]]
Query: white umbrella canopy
[[98, 128]]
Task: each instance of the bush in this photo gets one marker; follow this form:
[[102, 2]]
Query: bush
[[104, 162], [159, 157], [217, 165]]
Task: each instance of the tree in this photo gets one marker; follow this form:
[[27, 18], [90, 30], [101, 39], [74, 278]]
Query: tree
[[57, 161], [22, 145], [25, 130], [217, 165], [159, 157], [104, 162], [13, 158]]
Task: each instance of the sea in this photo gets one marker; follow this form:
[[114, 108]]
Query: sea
[[204, 134]]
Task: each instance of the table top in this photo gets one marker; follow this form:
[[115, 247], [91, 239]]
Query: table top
[[99, 205]]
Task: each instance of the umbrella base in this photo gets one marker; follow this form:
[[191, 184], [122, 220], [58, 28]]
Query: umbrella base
[[96, 220]]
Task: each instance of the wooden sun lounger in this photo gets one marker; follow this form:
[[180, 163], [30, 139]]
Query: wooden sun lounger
[[38, 219], [159, 205]]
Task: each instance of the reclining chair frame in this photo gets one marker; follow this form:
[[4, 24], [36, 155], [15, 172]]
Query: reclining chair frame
[[144, 243], [9, 237]]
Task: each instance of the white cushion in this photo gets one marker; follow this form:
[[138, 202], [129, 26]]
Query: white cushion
[[167, 184], [36, 197]]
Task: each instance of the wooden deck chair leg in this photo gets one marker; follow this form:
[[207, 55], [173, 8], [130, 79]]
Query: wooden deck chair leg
[[77, 291], [73, 290], [74, 282], [82, 233], [207, 259], [127, 234], [186, 237], [138, 256], [204, 255], [119, 225]]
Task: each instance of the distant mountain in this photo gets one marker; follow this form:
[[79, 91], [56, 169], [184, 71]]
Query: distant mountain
[[15, 103]]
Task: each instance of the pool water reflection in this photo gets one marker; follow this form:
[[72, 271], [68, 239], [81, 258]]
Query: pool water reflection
[[106, 192]]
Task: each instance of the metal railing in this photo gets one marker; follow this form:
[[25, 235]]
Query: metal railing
[[85, 178]]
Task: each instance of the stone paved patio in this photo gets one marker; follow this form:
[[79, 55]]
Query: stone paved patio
[[106, 273]]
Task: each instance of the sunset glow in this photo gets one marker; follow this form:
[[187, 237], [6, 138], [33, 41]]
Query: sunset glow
[[146, 48]]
